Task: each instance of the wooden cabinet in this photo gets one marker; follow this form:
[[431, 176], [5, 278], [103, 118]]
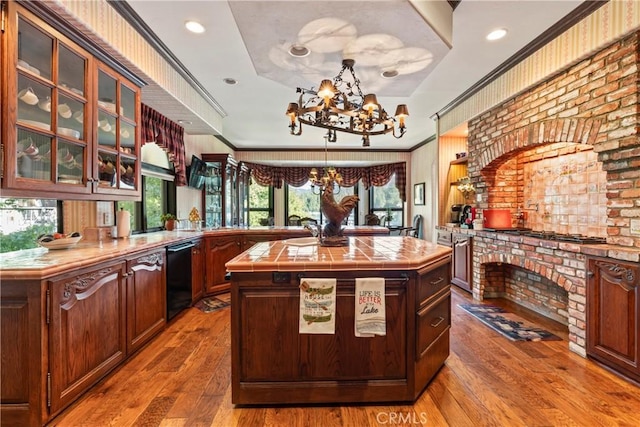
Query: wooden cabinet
[[220, 191], [61, 335], [613, 315], [220, 249], [226, 191], [462, 256], [87, 330], [146, 298], [69, 122], [272, 363], [22, 383], [197, 270]]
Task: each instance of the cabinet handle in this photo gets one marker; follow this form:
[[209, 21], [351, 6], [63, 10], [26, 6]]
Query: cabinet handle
[[437, 322], [462, 243], [437, 282]]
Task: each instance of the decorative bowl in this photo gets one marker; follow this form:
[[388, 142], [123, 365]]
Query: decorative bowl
[[62, 243]]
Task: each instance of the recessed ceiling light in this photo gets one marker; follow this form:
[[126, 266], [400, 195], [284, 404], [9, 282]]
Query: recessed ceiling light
[[389, 74], [194, 27], [299, 51], [230, 81], [184, 122], [497, 34]]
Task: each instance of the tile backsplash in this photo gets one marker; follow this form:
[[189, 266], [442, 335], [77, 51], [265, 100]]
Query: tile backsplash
[[566, 194]]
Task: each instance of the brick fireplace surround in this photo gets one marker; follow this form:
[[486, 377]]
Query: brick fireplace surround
[[589, 109]]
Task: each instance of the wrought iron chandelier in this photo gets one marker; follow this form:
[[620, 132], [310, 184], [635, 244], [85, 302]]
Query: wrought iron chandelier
[[345, 111]]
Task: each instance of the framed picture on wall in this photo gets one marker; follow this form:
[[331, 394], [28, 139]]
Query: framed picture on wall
[[418, 194]]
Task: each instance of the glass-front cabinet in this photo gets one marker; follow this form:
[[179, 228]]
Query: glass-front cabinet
[[243, 194], [116, 133], [220, 192], [69, 122], [226, 192]]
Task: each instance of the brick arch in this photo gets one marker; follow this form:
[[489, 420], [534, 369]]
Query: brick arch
[[561, 279], [573, 130]]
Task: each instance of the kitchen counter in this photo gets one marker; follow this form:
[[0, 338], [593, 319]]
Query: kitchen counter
[[622, 253], [363, 253], [273, 362], [40, 263]]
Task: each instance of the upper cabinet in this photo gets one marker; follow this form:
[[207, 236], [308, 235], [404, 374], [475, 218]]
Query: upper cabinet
[[69, 122], [226, 191]]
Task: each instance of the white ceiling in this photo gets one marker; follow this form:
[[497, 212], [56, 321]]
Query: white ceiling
[[255, 107]]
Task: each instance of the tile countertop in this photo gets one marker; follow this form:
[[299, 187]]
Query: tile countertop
[[41, 263], [363, 253]]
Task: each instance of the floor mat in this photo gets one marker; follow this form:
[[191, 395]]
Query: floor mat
[[508, 324], [210, 304]]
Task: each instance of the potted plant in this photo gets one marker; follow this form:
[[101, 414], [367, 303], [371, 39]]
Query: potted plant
[[169, 220]]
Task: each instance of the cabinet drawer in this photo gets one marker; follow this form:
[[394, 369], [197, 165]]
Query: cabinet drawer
[[432, 282], [433, 320]]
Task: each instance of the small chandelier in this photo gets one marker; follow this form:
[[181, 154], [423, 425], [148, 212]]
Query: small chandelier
[[331, 177], [349, 111]]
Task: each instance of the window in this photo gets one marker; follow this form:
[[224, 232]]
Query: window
[[158, 197], [385, 202], [22, 221], [260, 204], [305, 202]]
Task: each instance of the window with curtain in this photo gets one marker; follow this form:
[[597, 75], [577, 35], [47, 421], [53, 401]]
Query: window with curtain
[[260, 204], [386, 203]]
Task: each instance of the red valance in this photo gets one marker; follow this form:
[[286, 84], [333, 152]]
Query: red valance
[[169, 136], [376, 176]]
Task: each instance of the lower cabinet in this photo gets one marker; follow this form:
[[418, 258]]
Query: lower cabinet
[[220, 249], [87, 330], [613, 315], [146, 298], [197, 270], [461, 271], [59, 336]]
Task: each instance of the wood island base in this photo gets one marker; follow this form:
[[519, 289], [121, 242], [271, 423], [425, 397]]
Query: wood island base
[[272, 363]]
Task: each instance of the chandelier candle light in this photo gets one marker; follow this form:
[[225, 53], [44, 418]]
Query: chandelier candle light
[[346, 111]]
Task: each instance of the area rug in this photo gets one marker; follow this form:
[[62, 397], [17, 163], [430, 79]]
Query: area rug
[[508, 324], [210, 304]]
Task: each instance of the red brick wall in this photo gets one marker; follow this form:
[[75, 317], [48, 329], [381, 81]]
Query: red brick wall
[[546, 265], [593, 102]]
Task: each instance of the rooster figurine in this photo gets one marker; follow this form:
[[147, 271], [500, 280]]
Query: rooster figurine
[[336, 213]]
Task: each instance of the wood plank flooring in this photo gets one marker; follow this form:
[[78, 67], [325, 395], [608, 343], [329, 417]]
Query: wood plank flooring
[[183, 378]]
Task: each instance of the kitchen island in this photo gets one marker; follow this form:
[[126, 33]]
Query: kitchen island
[[273, 363]]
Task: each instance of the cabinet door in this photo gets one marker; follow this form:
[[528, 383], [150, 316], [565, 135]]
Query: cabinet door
[[22, 393], [461, 265], [219, 251], [87, 334], [146, 298], [613, 314], [46, 134], [197, 271], [117, 135]]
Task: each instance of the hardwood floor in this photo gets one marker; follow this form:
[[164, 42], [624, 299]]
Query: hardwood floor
[[183, 379]]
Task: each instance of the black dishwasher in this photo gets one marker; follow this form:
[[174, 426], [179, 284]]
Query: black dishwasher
[[178, 278]]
